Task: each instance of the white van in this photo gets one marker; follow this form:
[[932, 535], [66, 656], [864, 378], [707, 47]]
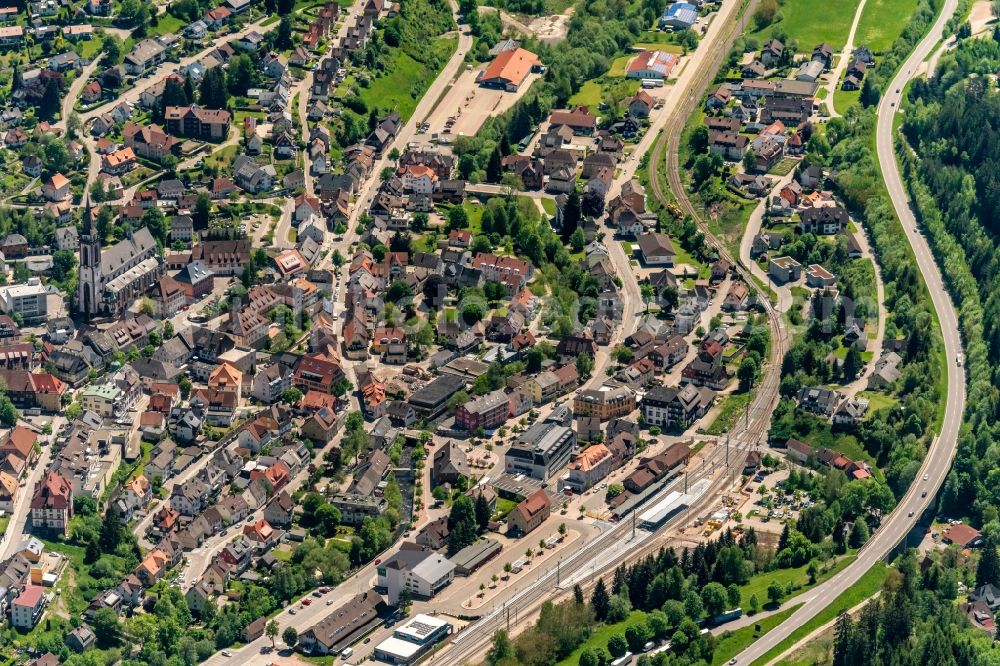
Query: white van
[[347, 652]]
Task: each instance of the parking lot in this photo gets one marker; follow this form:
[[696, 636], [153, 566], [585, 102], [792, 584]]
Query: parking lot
[[466, 106]]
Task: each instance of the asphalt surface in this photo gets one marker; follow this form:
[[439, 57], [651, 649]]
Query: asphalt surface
[[938, 460]]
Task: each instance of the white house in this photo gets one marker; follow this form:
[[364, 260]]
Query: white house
[[417, 569], [419, 179]]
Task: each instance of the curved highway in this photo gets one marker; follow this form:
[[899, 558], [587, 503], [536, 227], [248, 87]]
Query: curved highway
[[937, 463]]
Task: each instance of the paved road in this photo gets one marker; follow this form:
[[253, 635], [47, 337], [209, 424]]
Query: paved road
[[19, 516], [876, 344], [784, 291], [69, 101], [845, 59], [408, 131], [938, 460]]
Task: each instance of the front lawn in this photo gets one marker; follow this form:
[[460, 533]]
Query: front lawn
[[845, 99], [166, 23]]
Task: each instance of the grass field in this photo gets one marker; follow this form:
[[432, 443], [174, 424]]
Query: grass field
[[406, 81], [223, 158], [557, 6], [877, 401], [733, 642], [866, 586], [590, 94], [549, 206], [845, 99], [811, 23], [601, 635], [619, 65], [654, 40], [88, 48], [797, 577], [874, 31], [733, 406], [685, 257]]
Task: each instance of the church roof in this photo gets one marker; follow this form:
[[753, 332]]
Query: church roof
[[117, 256]]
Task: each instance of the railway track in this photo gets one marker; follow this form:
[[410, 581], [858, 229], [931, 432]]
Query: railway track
[[759, 412], [747, 433], [474, 640]]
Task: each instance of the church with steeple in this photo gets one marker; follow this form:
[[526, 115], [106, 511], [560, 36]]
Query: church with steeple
[[111, 279]]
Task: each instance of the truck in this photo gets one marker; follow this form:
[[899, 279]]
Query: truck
[[727, 616]]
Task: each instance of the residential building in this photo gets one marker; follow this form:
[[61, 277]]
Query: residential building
[[588, 468], [529, 514], [105, 400], [198, 123], [26, 609], [487, 412], [449, 464], [52, 503], [605, 402]]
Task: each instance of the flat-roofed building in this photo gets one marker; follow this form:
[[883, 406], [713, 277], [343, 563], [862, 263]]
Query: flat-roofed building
[[412, 640], [785, 269], [541, 451], [30, 300], [431, 400]]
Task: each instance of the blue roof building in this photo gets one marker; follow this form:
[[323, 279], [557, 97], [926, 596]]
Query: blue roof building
[[680, 15]]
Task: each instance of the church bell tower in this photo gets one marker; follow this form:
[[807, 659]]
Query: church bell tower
[[90, 265]]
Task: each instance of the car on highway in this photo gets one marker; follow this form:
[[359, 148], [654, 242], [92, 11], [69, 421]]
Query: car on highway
[[307, 602], [292, 611], [227, 653], [910, 514], [923, 494], [926, 476], [958, 360]]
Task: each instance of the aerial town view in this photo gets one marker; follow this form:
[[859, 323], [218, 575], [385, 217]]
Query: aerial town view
[[500, 333]]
